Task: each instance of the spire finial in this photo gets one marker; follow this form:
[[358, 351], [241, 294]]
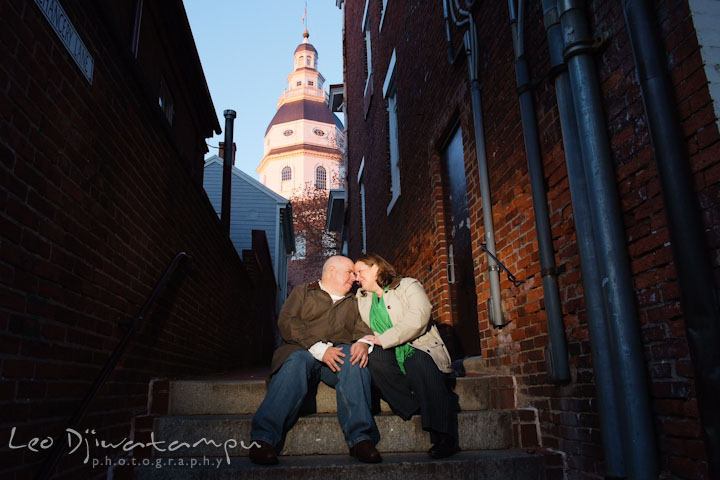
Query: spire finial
[[306, 35]]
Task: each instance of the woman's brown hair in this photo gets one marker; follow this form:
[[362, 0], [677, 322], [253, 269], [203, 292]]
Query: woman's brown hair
[[386, 272]]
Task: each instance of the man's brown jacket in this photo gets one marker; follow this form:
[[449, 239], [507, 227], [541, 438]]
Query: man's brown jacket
[[310, 316]]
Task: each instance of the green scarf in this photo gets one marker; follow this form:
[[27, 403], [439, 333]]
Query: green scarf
[[380, 321]]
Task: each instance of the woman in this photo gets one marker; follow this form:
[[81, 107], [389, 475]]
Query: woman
[[409, 365]]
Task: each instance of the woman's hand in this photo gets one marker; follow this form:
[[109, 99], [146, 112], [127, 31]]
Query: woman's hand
[[359, 353], [374, 339]]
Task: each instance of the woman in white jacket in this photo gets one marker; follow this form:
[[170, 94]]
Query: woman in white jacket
[[409, 366]]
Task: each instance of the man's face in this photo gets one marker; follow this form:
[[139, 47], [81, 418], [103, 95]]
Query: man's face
[[343, 276]]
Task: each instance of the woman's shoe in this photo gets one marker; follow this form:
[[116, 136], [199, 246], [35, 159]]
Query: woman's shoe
[[446, 447]]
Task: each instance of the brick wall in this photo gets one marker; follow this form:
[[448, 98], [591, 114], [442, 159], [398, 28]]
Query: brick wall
[[96, 198], [432, 96]]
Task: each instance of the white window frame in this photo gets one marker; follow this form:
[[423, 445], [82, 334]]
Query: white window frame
[[368, 45], [382, 15], [390, 95], [362, 205], [325, 177], [300, 247]]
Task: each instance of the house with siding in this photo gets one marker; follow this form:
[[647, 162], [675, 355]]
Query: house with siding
[[254, 206]]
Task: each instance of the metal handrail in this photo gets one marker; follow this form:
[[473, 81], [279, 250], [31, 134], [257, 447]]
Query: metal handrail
[[59, 447]]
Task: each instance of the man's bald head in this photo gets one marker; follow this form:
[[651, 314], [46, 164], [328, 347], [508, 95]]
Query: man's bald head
[[337, 275]]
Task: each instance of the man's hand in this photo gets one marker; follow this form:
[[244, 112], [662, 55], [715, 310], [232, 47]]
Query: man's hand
[[359, 353], [333, 356]]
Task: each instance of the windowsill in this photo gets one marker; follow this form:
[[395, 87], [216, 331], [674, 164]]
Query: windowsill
[[392, 203], [367, 96]]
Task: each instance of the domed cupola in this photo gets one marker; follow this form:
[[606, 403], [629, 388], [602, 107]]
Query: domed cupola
[[302, 139], [305, 54]]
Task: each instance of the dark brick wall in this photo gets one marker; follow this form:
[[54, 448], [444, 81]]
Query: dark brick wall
[[432, 96], [97, 195]]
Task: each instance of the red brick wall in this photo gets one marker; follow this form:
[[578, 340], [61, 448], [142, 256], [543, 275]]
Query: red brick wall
[[432, 96], [95, 201]]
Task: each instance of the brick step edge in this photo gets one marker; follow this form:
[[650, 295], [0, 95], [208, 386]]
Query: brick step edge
[[238, 397], [490, 465], [321, 434]]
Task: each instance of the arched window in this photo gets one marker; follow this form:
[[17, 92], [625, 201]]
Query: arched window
[[320, 178], [286, 174]]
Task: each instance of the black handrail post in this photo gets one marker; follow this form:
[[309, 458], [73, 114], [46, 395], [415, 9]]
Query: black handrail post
[[59, 447], [228, 153]]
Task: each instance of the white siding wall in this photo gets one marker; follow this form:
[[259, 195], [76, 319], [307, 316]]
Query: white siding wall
[[250, 209], [706, 17]]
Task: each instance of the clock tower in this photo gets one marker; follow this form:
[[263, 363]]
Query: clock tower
[[303, 140]]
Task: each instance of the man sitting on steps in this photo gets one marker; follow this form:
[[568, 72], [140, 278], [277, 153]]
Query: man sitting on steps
[[318, 323]]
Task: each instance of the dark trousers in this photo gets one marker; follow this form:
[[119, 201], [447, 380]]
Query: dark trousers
[[423, 388]]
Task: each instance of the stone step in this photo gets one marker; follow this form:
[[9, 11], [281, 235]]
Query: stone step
[[321, 434], [243, 397], [487, 465]]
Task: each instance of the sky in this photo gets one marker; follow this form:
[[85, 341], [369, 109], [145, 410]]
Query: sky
[[246, 49]]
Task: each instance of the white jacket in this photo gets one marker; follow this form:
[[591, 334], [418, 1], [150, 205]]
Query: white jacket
[[409, 309]]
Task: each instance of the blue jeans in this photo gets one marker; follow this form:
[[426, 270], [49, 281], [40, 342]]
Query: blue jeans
[[280, 409]]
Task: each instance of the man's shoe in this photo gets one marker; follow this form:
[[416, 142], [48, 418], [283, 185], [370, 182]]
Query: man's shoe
[[446, 447], [366, 452], [263, 453]]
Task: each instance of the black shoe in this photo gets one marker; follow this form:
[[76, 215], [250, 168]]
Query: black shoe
[[446, 447], [263, 453], [366, 452]]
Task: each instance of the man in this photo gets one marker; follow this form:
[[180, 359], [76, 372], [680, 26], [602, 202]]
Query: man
[[318, 324]]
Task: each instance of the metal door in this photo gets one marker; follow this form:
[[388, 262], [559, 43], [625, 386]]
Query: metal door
[[461, 274]]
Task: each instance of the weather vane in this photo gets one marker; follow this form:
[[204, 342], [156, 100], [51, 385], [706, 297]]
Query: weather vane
[[304, 21]]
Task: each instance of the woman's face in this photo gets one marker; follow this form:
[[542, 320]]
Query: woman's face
[[366, 276]]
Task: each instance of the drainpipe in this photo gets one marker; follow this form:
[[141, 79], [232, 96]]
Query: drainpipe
[[227, 170], [471, 51], [632, 403], [698, 293], [558, 369], [603, 366]]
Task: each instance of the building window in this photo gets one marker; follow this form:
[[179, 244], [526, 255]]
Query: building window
[[362, 205], [286, 174], [165, 101], [320, 178], [368, 45], [299, 253], [382, 15], [310, 82], [390, 94], [136, 28], [297, 84]]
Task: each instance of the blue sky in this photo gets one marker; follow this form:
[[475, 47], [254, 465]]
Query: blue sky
[[246, 49]]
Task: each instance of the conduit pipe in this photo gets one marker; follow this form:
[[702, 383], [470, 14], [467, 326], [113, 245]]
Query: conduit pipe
[[558, 369], [228, 153], [632, 404], [603, 366], [698, 293], [471, 51]]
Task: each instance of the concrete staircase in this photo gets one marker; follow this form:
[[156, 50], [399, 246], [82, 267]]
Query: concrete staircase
[[209, 421]]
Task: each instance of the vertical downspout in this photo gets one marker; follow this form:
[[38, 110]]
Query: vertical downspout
[[633, 403], [698, 293], [227, 171], [557, 358], [603, 367], [471, 51]]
